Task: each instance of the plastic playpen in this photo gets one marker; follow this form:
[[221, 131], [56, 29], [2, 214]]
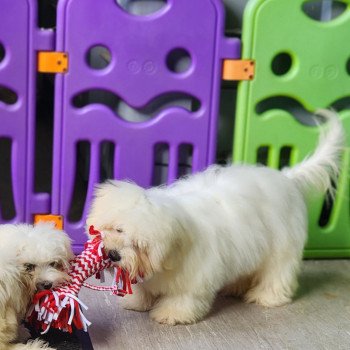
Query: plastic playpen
[[137, 97]]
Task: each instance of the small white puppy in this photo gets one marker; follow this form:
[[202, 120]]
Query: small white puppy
[[31, 258], [236, 229]]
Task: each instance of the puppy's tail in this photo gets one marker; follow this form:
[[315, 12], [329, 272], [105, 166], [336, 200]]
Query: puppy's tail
[[319, 171]]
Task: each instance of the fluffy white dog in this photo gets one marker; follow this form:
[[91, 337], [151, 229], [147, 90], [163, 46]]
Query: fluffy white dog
[[31, 258], [237, 229]]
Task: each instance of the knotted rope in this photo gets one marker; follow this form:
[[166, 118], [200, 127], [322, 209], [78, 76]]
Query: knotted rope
[[60, 307]]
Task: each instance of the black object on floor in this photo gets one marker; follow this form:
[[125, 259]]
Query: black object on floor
[[78, 340], [85, 340], [62, 340]]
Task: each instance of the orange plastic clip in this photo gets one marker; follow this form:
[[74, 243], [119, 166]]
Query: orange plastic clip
[[238, 70], [52, 62], [56, 219]]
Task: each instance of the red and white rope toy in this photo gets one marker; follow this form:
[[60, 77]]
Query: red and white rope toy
[[60, 307]]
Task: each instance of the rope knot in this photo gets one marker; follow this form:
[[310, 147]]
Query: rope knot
[[60, 307]]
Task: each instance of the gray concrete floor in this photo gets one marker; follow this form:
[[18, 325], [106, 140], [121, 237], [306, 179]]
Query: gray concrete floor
[[319, 318]]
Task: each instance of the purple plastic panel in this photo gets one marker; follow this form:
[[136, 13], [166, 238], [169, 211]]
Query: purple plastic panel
[[138, 74], [19, 41]]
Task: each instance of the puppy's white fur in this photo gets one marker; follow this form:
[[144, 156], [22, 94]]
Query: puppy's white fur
[[30, 256], [236, 229]]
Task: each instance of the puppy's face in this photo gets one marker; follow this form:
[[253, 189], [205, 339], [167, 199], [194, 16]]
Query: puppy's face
[[137, 233], [44, 257], [127, 252], [42, 275]]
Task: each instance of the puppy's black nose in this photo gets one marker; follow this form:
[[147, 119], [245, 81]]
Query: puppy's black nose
[[47, 285], [44, 285], [114, 255]]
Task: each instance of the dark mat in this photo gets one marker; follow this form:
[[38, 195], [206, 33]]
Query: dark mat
[[78, 340]]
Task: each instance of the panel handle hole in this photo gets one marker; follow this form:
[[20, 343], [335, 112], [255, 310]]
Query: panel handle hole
[[8, 96], [324, 10], [98, 57], [281, 63], [179, 60], [348, 66], [2, 52], [141, 7]]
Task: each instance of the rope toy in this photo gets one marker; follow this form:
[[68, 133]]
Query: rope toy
[[60, 307]]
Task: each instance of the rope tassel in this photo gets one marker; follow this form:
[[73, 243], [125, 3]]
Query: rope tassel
[[60, 307]]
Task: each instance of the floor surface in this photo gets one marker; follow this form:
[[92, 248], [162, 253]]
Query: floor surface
[[319, 318]]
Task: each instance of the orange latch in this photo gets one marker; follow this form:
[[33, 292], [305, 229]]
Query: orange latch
[[52, 62], [238, 70], [56, 219]]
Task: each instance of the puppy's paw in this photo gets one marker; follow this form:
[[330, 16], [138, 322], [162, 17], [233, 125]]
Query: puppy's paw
[[140, 300], [133, 302], [172, 315], [267, 299], [181, 309]]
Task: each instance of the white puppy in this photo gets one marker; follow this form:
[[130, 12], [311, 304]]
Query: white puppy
[[31, 258], [237, 229]]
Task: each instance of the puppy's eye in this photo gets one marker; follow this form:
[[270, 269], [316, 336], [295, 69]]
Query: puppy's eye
[[29, 267], [56, 265], [119, 230]]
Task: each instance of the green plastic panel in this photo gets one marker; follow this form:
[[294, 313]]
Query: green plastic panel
[[302, 64]]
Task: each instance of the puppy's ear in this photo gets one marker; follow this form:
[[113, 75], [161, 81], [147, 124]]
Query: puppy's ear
[[145, 266], [160, 256], [173, 258], [8, 263], [173, 242]]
